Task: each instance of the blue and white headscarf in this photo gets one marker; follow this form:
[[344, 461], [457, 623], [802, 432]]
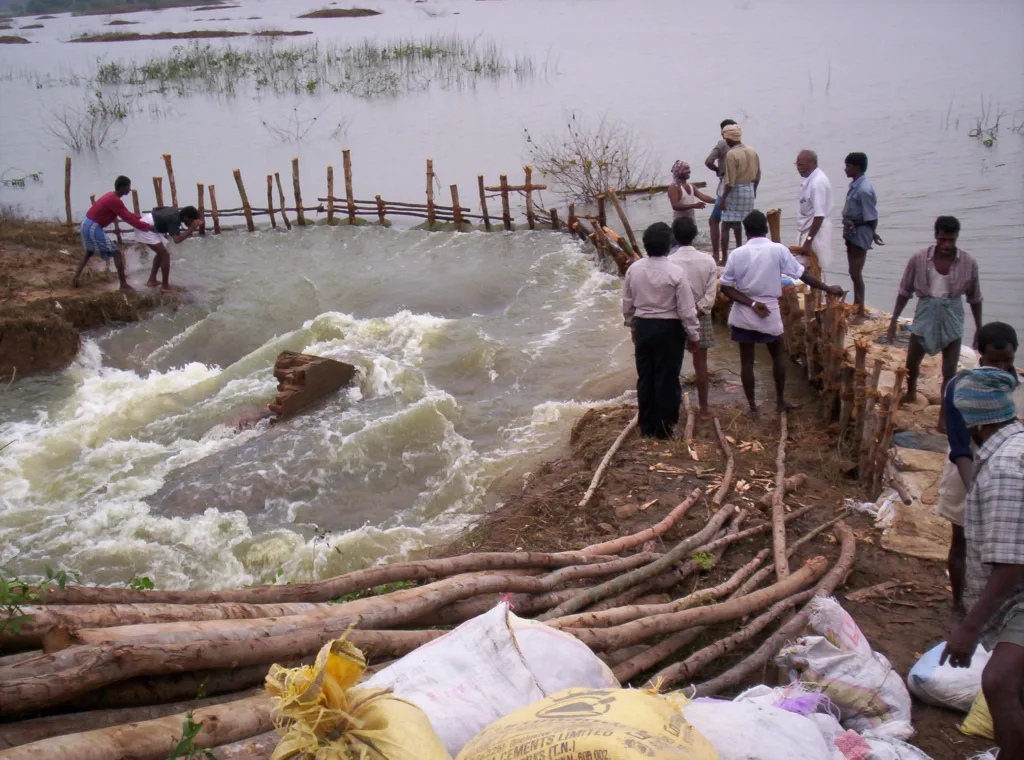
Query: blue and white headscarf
[[984, 396]]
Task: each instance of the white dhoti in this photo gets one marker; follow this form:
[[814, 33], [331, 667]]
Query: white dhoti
[[821, 245], [152, 237]]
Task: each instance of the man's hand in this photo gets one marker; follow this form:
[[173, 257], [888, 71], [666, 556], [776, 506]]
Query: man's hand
[[807, 248], [692, 345], [960, 647], [834, 290], [195, 224], [700, 204], [632, 335], [761, 310], [877, 240], [890, 334], [721, 204]]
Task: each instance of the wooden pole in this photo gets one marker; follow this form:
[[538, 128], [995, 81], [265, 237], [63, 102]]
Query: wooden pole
[[572, 218], [135, 202], [270, 197], [280, 192], [158, 189], [430, 193], [300, 217], [245, 201], [213, 210], [882, 445], [330, 194], [483, 202], [529, 197], [602, 215], [350, 197], [67, 190], [201, 208], [381, 210], [92, 199], [775, 225], [625, 220], [456, 209], [870, 422], [860, 389], [506, 216], [554, 219], [170, 180]]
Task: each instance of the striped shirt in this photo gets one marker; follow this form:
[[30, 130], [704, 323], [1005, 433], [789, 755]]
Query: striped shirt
[[962, 279], [994, 520]]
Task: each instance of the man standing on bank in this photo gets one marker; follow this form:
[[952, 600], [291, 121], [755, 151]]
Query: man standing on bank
[[658, 306], [742, 176], [702, 273], [94, 240], [940, 276], [994, 529], [166, 221], [815, 205], [716, 163], [860, 226], [753, 282]]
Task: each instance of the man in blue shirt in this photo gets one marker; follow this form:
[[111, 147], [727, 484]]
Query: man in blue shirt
[[860, 223]]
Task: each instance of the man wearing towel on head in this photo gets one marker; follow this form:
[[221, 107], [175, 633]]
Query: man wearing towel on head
[[994, 528], [742, 176]]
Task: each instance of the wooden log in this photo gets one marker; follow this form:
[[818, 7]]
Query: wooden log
[[625, 543], [691, 420], [846, 397], [571, 220], [213, 210], [304, 379], [792, 483], [135, 202], [284, 202], [530, 220], [156, 739], [455, 205], [346, 161], [860, 389], [602, 215], [506, 215], [158, 190], [809, 339], [595, 481], [255, 748], [881, 449], [201, 206], [730, 466], [300, 217], [778, 505], [270, 200], [625, 221], [92, 199], [330, 194], [430, 193], [775, 224], [67, 191], [382, 210], [483, 202], [246, 208], [554, 220], [170, 180]]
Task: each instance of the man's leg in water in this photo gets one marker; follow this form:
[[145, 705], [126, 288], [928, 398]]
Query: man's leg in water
[[119, 264], [779, 358], [81, 266], [747, 372], [151, 282], [161, 261]]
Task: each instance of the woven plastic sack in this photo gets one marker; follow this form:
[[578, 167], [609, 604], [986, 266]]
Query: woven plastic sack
[[323, 714], [830, 620], [944, 685], [979, 720], [611, 724]]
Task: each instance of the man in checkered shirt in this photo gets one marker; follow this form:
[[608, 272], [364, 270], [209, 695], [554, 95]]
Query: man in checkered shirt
[[994, 528]]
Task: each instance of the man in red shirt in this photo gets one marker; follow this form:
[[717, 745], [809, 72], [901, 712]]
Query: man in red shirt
[[94, 240]]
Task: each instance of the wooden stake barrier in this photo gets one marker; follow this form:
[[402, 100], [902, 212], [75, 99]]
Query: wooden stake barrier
[[158, 190], [284, 202], [602, 216], [67, 190], [330, 194], [270, 198], [170, 180], [457, 211], [483, 202], [775, 225], [430, 192], [213, 210], [860, 389], [135, 202], [381, 210], [572, 218], [870, 423], [245, 201], [346, 157], [625, 221], [554, 219], [300, 218], [528, 185], [201, 207], [506, 216]]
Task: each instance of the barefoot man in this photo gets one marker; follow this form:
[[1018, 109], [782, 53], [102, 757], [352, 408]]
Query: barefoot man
[[994, 529], [166, 221], [860, 226], [753, 282], [815, 206], [684, 197], [940, 276], [702, 274], [742, 176], [716, 163], [94, 240]]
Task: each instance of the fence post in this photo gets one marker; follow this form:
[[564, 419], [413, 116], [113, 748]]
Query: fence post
[[213, 210], [430, 193], [284, 202], [528, 170], [270, 200], [135, 202], [554, 219], [506, 217], [158, 190], [483, 202], [170, 179], [67, 190], [602, 216], [625, 220], [201, 208], [300, 217], [572, 217], [350, 200], [381, 211], [246, 208], [330, 194], [456, 209]]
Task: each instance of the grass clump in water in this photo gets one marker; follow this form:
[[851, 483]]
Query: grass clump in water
[[340, 13], [12, 39]]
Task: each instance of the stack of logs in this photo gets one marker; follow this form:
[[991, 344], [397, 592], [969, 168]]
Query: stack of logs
[[114, 672]]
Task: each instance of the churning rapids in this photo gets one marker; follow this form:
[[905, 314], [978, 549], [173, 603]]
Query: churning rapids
[[471, 350]]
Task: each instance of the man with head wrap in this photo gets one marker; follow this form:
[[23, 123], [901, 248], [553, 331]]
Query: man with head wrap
[[685, 198], [742, 176], [716, 163], [994, 529]]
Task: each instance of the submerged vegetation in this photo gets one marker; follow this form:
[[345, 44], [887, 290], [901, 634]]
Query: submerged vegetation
[[135, 36], [99, 122], [11, 39], [340, 13]]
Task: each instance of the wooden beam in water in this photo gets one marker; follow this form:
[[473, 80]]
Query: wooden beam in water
[[201, 208], [170, 179], [270, 200], [382, 210], [457, 213], [330, 195], [300, 217], [506, 216], [346, 157], [213, 210], [528, 189], [158, 190], [245, 201], [483, 202], [602, 216], [284, 202], [625, 221]]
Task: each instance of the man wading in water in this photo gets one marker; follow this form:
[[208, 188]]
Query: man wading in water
[[94, 240], [753, 282], [940, 276], [685, 198], [860, 226], [166, 220]]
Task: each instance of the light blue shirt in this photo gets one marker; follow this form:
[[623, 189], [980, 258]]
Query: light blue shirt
[[861, 202]]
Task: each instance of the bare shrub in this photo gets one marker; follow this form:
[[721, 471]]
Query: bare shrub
[[98, 123], [586, 160]]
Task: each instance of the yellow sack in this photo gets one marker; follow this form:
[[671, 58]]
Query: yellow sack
[[979, 720], [322, 716], [592, 724]]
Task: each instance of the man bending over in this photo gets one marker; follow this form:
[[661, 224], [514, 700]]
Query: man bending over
[[166, 221]]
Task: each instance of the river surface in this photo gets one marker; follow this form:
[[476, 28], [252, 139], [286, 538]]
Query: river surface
[[477, 352]]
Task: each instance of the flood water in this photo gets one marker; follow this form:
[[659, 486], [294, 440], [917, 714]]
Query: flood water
[[477, 352]]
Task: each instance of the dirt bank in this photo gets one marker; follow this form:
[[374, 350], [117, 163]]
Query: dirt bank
[[544, 515]]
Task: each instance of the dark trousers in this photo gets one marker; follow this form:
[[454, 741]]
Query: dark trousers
[[658, 349]]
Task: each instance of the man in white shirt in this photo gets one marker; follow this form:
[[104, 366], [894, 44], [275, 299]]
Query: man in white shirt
[[753, 282], [815, 207], [702, 274]]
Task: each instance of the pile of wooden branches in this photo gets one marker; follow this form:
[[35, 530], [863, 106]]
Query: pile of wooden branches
[[115, 672]]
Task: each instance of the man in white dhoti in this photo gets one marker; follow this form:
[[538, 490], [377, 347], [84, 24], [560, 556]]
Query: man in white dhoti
[[815, 207]]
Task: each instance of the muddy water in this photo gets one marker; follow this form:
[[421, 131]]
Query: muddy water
[[476, 352]]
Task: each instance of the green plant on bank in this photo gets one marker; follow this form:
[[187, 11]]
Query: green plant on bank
[[387, 588], [141, 584], [272, 577], [186, 749], [706, 560], [19, 181], [587, 159], [16, 594]]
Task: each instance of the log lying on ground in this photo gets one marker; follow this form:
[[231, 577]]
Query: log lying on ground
[[646, 628], [756, 661], [778, 505], [792, 483], [331, 588], [668, 560], [625, 543], [37, 729], [643, 661], [523, 605], [257, 748], [730, 466], [596, 480], [155, 739]]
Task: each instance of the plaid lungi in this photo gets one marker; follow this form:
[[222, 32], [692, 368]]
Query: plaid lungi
[[739, 203], [707, 331], [95, 239]]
